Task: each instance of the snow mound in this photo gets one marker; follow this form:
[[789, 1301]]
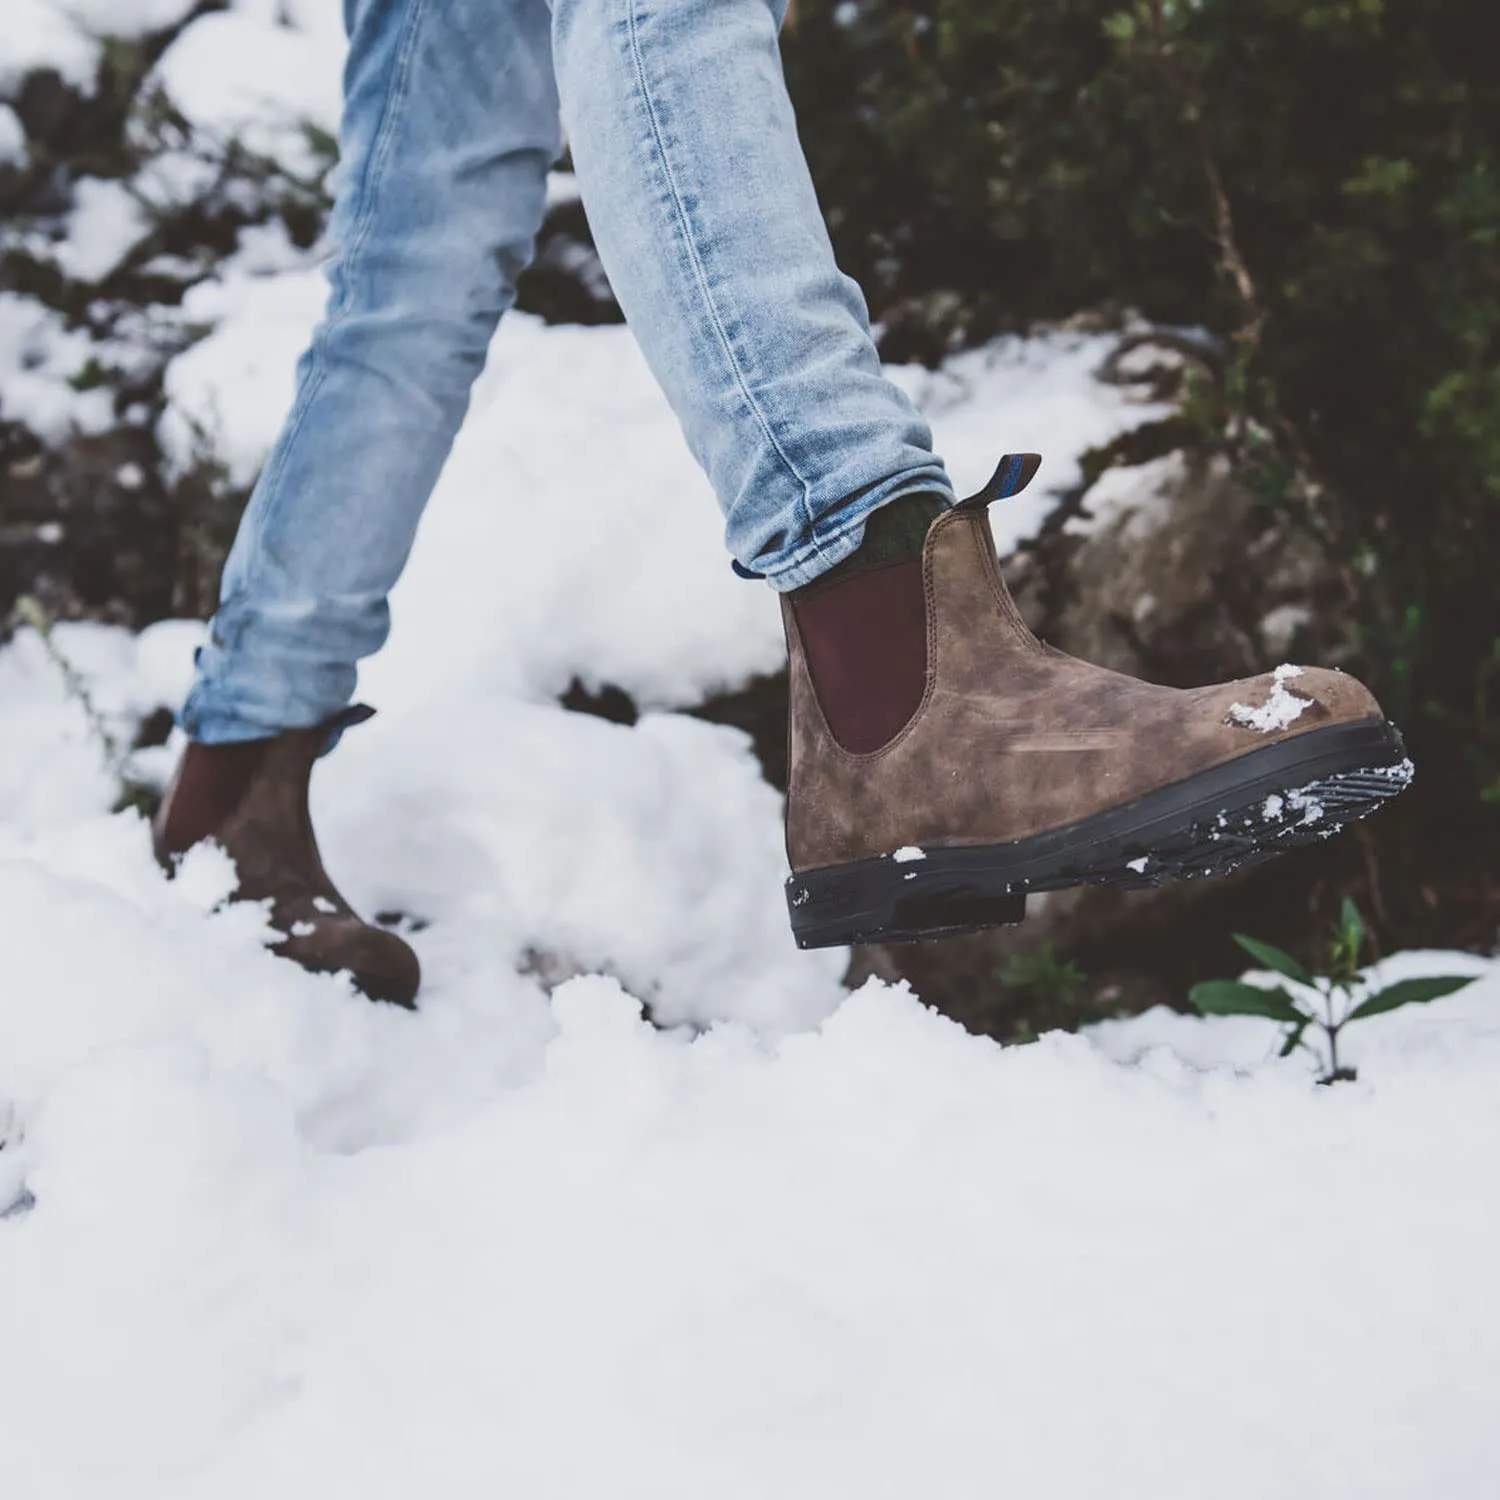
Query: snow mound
[[260, 72], [67, 35], [13, 149], [259, 1236], [283, 1241], [40, 357]]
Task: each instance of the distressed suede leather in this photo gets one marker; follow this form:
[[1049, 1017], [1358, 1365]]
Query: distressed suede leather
[[267, 830], [1011, 738]]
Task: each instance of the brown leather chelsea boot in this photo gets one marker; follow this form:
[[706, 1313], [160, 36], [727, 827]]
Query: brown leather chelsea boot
[[251, 799], [944, 762]]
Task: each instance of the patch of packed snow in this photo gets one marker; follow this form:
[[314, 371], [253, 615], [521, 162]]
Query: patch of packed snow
[[562, 187], [127, 19], [53, 766], [1137, 494], [232, 389], [13, 152], [907, 853], [105, 224], [40, 358], [1279, 626], [259, 73], [40, 34], [67, 35], [1281, 709], [1046, 394], [1304, 802]]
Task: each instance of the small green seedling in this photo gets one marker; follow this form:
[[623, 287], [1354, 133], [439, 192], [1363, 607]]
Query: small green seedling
[[1047, 976], [1335, 998]]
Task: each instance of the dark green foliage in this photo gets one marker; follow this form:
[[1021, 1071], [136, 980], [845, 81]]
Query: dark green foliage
[[1274, 958], [1228, 997], [1318, 181], [1409, 992]]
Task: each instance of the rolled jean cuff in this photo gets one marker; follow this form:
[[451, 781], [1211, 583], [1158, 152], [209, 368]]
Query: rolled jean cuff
[[233, 700], [841, 532]]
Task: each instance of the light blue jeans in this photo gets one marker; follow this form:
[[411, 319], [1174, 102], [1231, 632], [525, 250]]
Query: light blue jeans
[[700, 201]]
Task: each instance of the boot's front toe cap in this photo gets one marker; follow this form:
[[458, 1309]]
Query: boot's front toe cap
[[1288, 703], [394, 976], [382, 966], [1344, 699]]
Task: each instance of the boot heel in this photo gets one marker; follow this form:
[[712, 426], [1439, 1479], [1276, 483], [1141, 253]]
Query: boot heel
[[887, 900]]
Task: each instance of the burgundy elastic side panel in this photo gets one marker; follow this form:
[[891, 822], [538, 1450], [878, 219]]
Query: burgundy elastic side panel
[[865, 640], [209, 787]]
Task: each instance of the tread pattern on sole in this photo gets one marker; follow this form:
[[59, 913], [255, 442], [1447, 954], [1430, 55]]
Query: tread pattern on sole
[[1251, 833], [904, 897]]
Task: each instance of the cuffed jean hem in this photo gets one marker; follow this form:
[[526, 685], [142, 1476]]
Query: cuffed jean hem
[[846, 529], [217, 729], [229, 712]]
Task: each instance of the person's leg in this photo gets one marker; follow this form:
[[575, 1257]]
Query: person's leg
[[943, 761], [450, 125], [700, 200]]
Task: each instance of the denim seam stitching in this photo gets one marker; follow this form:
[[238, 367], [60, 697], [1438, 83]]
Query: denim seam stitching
[[700, 273], [369, 182]]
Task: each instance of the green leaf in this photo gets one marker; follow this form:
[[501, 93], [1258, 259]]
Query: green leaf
[[1411, 992], [1294, 1038], [1353, 928], [1274, 958], [1228, 997]]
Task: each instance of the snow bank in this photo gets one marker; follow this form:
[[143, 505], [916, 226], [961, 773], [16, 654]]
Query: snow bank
[[40, 359], [260, 72], [13, 150], [286, 1242], [40, 34], [265, 1237], [65, 35], [105, 224]]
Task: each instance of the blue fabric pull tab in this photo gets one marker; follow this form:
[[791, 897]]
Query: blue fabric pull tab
[[347, 718], [1016, 471]]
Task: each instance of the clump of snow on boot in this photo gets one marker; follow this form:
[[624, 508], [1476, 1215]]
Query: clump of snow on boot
[[1280, 710]]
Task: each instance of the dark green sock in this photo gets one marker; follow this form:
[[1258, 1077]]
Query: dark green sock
[[892, 534]]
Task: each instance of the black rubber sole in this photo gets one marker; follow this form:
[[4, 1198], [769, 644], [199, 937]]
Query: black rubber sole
[[1265, 803]]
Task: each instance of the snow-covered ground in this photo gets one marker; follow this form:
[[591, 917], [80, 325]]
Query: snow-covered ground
[[260, 1237]]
